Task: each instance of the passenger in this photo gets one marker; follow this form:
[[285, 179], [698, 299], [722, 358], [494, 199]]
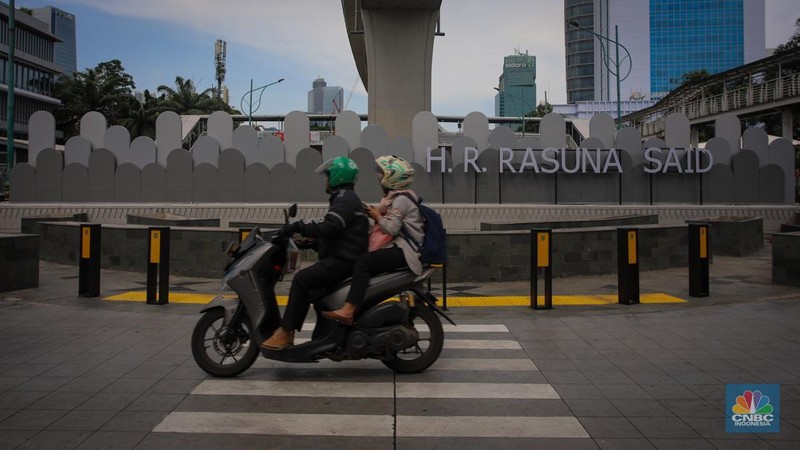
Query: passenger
[[396, 215], [342, 236]]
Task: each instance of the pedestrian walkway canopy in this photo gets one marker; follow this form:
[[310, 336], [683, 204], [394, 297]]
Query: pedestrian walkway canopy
[[751, 90]]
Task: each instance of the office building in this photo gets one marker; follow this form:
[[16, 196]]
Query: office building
[[34, 75], [516, 94], [324, 99], [665, 38], [62, 25]]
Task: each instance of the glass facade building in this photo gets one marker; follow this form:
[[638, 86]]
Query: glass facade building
[[579, 50], [62, 25], [34, 74], [517, 87], [666, 39], [690, 35]]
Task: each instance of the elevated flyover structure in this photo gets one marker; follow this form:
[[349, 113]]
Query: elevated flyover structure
[[767, 86], [392, 44]]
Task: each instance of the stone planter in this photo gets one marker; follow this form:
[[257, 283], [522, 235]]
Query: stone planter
[[734, 236], [786, 258]]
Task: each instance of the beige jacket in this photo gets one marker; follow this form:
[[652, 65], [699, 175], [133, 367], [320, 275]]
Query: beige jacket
[[399, 211]]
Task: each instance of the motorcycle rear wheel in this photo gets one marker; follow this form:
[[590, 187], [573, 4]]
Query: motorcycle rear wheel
[[426, 351], [219, 351]]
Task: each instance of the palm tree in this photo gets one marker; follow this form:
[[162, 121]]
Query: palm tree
[[141, 118], [184, 98]]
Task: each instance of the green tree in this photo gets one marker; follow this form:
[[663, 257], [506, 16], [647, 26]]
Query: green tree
[[542, 109], [792, 43], [106, 88], [692, 77]]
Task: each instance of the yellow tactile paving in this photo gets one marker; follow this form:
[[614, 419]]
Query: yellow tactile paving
[[512, 300]]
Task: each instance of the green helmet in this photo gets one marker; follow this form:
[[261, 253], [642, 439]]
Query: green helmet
[[340, 170], [395, 173]]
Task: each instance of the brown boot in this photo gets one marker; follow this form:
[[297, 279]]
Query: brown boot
[[279, 340], [343, 314]]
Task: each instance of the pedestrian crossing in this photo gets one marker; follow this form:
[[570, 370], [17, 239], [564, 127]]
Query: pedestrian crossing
[[495, 395]]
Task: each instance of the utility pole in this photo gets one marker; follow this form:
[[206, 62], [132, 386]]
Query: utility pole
[[220, 53], [12, 43]]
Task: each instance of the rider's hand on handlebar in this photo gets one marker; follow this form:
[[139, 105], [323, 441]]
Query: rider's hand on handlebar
[[304, 244], [287, 230]]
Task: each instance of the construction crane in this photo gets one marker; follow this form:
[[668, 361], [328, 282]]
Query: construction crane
[[355, 85]]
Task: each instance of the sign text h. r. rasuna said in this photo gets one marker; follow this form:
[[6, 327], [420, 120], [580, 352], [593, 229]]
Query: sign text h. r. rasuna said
[[677, 160]]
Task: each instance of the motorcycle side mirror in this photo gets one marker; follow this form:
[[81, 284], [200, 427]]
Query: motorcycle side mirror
[[293, 210]]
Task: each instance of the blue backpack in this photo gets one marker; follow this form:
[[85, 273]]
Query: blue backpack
[[433, 249]]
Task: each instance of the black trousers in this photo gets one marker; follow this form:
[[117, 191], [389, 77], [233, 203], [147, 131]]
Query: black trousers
[[307, 283], [373, 263]]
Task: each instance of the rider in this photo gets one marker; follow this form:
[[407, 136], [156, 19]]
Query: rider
[[397, 215], [342, 236]]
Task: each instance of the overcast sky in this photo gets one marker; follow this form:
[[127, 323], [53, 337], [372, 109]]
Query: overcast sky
[[299, 40]]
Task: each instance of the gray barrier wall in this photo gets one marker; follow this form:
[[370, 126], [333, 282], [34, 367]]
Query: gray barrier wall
[[472, 256], [194, 252], [19, 261], [505, 255], [228, 166]]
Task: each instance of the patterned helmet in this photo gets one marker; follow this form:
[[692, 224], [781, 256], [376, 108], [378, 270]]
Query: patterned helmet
[[340, 170], [396, 173]]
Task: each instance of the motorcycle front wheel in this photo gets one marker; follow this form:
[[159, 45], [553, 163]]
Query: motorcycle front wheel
[[222, 351], [428, 347]]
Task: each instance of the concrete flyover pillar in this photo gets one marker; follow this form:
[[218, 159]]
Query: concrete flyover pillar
[[398, 38], [694, 136], [787, 124]]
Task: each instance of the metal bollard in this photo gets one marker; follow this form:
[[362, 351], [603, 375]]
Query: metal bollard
[[541, 258], [89, 261], [158, 265], [698, 260], [444, 276], [628, 265]]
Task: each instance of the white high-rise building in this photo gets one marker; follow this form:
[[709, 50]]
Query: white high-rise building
[[324, 99]]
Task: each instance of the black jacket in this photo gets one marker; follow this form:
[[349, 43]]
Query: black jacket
[[343, 232]]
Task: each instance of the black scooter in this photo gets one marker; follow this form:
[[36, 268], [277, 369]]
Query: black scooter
[[226, 339]]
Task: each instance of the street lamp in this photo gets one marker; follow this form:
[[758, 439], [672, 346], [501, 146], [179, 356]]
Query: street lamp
[[522, 100], [258, 101], [617, 63]]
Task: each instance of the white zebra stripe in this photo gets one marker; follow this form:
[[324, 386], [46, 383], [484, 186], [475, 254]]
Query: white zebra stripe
[[490, 427], [498, 364], [470, 344], [448, 328], [278, 424], [482, 344], [376, 389], [371, 425]]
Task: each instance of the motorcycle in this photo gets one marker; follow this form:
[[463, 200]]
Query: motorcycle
[[398, 323]]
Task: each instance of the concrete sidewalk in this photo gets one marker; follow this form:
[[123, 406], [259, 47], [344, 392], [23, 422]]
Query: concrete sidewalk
[[88, 373]]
